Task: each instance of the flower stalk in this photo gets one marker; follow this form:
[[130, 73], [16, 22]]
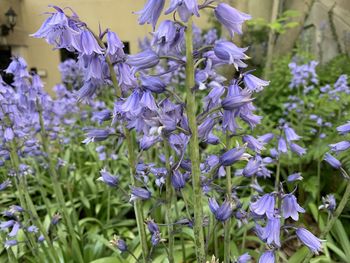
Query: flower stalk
[[194, 146], [335, 217], [57, 187], [169, 198], [227, 226]]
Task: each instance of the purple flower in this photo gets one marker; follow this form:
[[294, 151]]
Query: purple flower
[[253, 83], [139, 193], [32, 229], [282, 145], [264, 205], [267, 257], [185, 8], [223, 212], [178, 180], [5, 184], [167, 36], [328, 203], [56, 219], [309, 240], [272, 231], [143, 60], [97, 135], [340, 146], [245, 258], [9, 135], [236, 101], [147, 101], [119, 243], [294, 177], [153, 84], [231, 156], [57, 30], [86, 44], [230, 53], [290, 134], [10, 243], [335, 163], [297, 149], [147, 142], [151, 12], [266, 137], [108, 179], [14, 230], [231, 18], [152, 226], [114, 45], [290, 207], [344, 129], [253, 143]]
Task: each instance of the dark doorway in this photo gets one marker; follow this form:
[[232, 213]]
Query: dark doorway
[[5, 60]]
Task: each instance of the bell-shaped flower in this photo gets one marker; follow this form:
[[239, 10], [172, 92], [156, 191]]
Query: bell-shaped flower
[[231, 18]]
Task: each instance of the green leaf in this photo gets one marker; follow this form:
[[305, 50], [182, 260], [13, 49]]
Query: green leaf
[[299, 255], [108, 260]]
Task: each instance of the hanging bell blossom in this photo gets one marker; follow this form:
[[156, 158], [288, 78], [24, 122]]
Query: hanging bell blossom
[[107, 178], [235, 102], [231, 18], [290, 134], [223, 212], [9, 135], [230, 53], [264, 205], [5, 184], [231, 156], [147, 101], [272, 231], [143, 60], [152, 226], [245, 258], [97, 135], [328, 203], [153, 84], [294, 177], [139, 193], [267, 257], [253, 83], [114, 45], [119, 244], [58, 31], [335, 163], [253, 143], [344, 129], [10, 243], [185, 8], [297, 149], [151, 12], [178, 180], [282, 145], [291, 208], [165, 36], [33, 229], [86, 44], [309, 240], [340, 146], [266, 138]]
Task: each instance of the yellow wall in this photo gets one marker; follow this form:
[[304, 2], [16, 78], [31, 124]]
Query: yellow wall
[[114, 14]]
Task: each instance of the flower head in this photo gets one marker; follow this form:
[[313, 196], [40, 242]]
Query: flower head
[[231, 18], [151, 12], [309, 240]]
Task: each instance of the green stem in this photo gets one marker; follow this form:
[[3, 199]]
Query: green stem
[[335, 217], [57, 188], [27, 204], [181, 234], [131, 157], [137, 203], [191, 107], [169, 198], [227, 226]]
